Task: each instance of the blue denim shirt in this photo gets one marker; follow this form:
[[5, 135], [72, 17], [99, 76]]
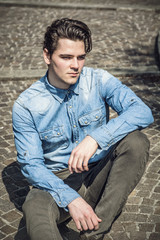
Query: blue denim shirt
[[48, 124]]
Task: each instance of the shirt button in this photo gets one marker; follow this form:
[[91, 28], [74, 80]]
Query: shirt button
[[70, 106], [96, 117], [85, 122], [76, 141], [74, 126], [59, 203], [58, 133], [45, 137]]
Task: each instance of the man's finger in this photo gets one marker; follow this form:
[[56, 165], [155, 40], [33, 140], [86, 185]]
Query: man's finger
[[80, 164], [70, 163], [85, 164], [90, 224], [96, 220], [78, 225], [75, 160], [84, 225]]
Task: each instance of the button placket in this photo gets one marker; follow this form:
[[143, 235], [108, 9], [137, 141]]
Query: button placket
[[73, 121]]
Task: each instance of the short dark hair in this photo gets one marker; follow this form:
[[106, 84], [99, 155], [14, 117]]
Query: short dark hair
[[67, 28]]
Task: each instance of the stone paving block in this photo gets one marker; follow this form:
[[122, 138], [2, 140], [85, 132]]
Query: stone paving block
[[11, 216], [154, 236], [155, 196], [119, 235], [131, 208], [146, 209], [152, 175], [157, 203], [146, 227], [157, 211], [139, 235], [157, 228], [157, 189], [144, 193], [5, 206], [8, 229], [153, 219], [142, 187], [135, 217], [117, 226], [149, 181], [130, 226]]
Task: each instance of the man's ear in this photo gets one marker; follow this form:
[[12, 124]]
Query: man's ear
[[46, 56]]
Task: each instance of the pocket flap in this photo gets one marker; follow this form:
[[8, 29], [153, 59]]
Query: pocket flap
[[55, 132], [91, 117]]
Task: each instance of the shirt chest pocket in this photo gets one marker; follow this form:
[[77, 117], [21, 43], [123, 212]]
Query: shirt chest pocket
[[54, 139], [91, 121]]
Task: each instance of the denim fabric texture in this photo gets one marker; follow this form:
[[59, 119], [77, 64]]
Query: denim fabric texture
[[49, 122]]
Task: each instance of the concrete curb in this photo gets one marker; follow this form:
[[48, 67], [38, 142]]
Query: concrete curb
[[36, 74], [115, 7], [22, 74]]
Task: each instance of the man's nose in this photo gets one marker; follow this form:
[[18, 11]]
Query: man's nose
[[74, 63]]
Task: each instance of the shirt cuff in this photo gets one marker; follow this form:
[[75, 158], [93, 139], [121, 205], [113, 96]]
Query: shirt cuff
[[64, 197], [111, 133]]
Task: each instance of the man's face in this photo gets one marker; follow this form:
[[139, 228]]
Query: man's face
[[66, 63]]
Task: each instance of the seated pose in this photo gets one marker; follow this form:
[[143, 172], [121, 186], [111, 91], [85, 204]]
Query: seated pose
[[81, 164]]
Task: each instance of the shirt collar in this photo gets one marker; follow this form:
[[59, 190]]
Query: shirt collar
[[60, 94]]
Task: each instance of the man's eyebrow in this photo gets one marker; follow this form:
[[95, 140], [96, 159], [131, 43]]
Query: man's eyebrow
[[69, 55], [65, 55]]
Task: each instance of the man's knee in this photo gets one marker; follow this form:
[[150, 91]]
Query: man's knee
[[131, 157], [36, 199], [136, 143], [37, 206]]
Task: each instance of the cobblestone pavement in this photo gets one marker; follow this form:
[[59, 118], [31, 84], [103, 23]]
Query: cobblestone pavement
[[123, 40], [124, 43]]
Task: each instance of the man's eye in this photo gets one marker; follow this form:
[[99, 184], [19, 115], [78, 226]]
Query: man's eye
[[81, 57]]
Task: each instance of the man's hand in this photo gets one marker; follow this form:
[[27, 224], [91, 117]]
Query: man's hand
[[81, 154], [83, 215]]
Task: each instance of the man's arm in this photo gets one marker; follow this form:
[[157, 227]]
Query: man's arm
[[133, 114], [30, 157], [82, 213]]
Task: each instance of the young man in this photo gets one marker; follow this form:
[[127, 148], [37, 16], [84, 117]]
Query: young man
[[81, 164]]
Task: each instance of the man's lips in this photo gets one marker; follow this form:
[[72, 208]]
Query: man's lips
[[74, 74]]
